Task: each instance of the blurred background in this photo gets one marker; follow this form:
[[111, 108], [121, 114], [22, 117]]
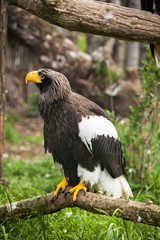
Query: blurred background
[[103, 69]]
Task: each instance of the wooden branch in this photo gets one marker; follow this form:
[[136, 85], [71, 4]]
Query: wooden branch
[[97, 203], [96, 18]]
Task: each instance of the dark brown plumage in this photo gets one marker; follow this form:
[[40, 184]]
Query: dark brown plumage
[[148, 5], [79, 135]]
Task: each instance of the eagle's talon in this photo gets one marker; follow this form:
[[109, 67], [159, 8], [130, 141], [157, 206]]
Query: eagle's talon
[[53, 198], [59, 191], [66, 193], [60, 187]]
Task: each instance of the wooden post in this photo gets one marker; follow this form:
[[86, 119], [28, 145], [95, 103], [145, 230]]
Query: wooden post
[[3, 29]]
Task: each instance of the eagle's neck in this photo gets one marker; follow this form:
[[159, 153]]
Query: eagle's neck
[[46, 107]]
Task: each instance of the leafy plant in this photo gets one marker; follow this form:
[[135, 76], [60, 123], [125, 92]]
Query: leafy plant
[[145, 124], [108, 74]]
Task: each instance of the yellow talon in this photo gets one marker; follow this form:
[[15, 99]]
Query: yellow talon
[[77, 189], [61, 187]]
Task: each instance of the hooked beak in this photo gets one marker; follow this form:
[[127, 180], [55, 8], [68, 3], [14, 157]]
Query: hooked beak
[[33, 77]]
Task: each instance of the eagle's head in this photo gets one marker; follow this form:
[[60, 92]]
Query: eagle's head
[[53, 85]]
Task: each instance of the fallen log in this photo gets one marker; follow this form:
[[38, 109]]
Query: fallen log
[[130, 210]]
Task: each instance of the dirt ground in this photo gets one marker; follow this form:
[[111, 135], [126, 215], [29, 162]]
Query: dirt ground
[[27, 127]]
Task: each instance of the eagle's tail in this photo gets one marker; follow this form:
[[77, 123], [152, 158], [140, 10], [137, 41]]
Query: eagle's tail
[[100, 180], [126, 190], [116, 187]]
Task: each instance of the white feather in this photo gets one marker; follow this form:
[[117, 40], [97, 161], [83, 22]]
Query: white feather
[[93, 126], [102, 181]]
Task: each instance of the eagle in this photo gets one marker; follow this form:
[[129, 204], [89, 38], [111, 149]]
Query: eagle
[[81, 138], [148, 5]]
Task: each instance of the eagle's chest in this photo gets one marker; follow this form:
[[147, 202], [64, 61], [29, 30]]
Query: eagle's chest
[[60, 132]]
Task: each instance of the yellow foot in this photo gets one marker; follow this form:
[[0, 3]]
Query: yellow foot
[[60, 187], [76, 190]]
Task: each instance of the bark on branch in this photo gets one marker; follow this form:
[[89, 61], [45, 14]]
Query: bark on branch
[[96, 18], [97, 203]]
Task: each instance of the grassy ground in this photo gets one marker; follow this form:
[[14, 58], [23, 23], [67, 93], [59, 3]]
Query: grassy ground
[[31, 178], [34, 174]]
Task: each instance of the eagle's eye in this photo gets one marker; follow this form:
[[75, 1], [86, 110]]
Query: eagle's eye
[[42, 76]]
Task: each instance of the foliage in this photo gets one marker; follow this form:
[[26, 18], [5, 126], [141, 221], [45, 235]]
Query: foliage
[[82, 42], [141, 136], [33, 104], [107, 74], [145, 119]]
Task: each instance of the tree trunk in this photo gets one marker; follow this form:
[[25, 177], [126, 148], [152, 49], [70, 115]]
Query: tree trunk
[[3, 27]]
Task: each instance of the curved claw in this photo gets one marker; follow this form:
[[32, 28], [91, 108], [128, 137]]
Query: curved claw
[[59, 191], [53, 198], [60, 188], [75, 190], [65, 195]]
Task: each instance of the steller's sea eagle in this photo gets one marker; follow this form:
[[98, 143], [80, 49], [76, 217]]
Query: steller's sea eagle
[[148, 5], [80, 137]]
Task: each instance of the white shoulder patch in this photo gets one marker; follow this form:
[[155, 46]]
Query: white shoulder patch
[[90, 128]]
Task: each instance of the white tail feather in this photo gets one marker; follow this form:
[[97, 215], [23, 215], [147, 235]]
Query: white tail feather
[[126, 190], [102, 181]]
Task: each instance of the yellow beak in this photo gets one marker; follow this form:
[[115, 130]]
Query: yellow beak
[[33, 77]]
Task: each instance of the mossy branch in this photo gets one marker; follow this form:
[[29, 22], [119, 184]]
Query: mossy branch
[[135, 211], [97, 18]]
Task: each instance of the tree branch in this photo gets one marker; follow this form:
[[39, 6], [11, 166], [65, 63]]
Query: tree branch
[[97, 18], [97, 203]]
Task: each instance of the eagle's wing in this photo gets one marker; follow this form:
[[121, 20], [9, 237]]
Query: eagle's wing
[[101, 139], [108, 151], [147, 5]]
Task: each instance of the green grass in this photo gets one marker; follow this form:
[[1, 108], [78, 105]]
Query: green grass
[[32, 178], [38, 139], [11, 134], [14, 137]]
